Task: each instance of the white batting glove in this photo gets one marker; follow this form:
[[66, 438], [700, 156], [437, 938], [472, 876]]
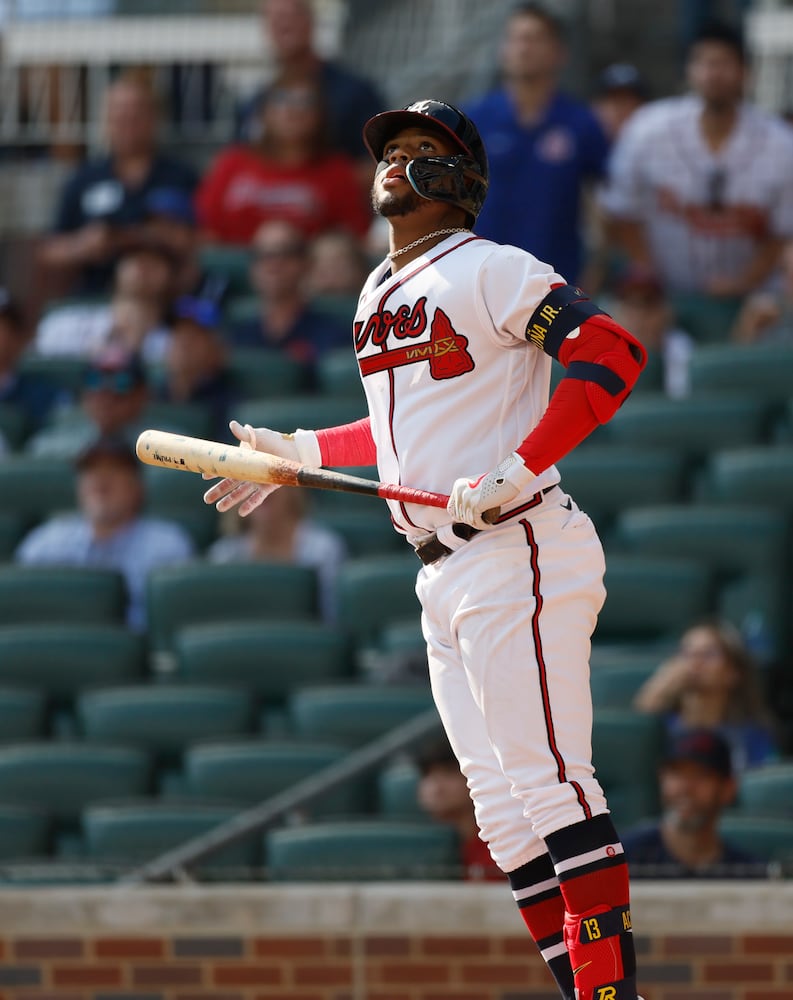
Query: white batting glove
[[302, 446], [469, 499]]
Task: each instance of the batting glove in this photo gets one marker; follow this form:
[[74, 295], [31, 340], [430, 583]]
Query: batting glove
[[469, 500], [302, 446]]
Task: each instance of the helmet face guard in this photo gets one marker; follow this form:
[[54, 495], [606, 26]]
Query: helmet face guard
[[460, 179]]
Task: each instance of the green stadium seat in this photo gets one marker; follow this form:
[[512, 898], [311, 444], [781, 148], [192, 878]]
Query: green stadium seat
[[397, 792], [350, 504], [241, 308], [258, 373], [178, 418], [603, 479], [14, 426], [287, 413], [61, 778], [61, 370], [130, 833], [61, 594], [268, 658], [251, 771], [63, 659], [693, 426], [22, 714], [705, 318], [767, 838], [765, 370], [375, 591], [338, 374], [627, 749], [362, 850], [758, 475], [365, 532], [230, 263], [178, 496], [616, 687], [653, 597], [784, 429], [163, 719], [768, 791], [48, 873], [24, 833], [13, 527], [36, 487], [200, 593], [353, 714]]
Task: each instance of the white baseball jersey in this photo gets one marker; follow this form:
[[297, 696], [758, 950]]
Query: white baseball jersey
[[452, 383], [704, 211]]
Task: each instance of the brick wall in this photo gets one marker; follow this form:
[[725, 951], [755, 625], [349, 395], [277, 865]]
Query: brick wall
[[371, 942]]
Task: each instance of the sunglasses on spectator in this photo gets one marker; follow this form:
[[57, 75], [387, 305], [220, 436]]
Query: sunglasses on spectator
[[120, 382]]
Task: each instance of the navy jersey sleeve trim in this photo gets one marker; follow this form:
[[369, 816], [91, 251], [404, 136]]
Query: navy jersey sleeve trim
[[560, 312]]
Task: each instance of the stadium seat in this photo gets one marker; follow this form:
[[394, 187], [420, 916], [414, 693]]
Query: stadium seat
[[178, 496], [626, 750], [362, 850], [61, 778], [759, 475], [692, 426], [36, 487], [252, 771], [13, 527], [767, 838], [201, 593], [178, 418], [768, 791], [162, 718], [64, 371], [374, 591], [604, 479], [230, 264], [352, 714], [338, 374], [13, 426], [397, 792], [765, 370], [616, 687], [706, 318], [365, 532], [258, 373], [241, 308], [22, 714], [61, 594], [62, 659], [269, 658], [286, 413], [24, 833], [129, 833], [653, 597]]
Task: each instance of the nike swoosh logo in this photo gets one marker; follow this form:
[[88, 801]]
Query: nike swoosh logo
[[473, 485], [568, 505], [581, 968]]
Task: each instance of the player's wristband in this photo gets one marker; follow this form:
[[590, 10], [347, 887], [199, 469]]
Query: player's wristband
[[308, 448]]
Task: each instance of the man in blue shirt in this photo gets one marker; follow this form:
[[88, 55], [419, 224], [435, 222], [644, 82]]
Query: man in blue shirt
[[696, 784], [543, 146]]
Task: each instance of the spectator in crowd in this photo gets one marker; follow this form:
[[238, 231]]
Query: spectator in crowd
[[290, 173], [620, 90], [195, 363], [544, 146], [103, 205], [693, 197], [284, 532], [109, 530], [640, 305], [288, 27], [111, 403], [338, 268], [443, 794], [711, 681], [137, 315], [767, 316], [696, 784], [31, 394], [287, 319]]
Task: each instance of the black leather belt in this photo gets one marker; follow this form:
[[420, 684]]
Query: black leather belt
[[433, 548]]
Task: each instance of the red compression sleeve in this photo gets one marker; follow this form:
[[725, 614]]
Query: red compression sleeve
[[347, 444], [570, 416]]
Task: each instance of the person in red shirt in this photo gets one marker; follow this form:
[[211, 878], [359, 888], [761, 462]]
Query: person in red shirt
[[289, 174], [442, 793]]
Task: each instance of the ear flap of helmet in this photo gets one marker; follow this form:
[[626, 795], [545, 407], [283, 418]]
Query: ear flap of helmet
[[453, 179]]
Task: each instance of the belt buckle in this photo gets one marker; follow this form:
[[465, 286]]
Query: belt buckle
[[431, 550]]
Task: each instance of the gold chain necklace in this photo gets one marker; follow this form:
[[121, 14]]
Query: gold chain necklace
[[423, 239]]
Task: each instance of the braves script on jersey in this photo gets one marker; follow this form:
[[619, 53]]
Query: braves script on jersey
[[446, 365]]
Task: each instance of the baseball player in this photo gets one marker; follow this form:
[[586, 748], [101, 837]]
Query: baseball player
[[454, 337]]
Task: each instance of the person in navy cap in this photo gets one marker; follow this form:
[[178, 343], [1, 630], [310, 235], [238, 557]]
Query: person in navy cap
[[696, 785]]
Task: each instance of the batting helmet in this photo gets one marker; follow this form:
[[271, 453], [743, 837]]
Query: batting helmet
[[460, 179]]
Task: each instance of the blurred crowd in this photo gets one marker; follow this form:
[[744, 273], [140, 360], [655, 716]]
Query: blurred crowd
[[674, 210]]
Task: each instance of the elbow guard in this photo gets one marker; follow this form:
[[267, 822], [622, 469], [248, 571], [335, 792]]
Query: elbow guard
[[610, 376]]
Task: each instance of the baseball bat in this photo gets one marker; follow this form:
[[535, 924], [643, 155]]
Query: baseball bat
[[179, 451]]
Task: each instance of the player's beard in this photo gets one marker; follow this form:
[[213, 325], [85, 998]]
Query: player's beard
[[391, 205]]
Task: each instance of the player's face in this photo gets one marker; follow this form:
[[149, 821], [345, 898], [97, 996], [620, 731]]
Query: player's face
[[693, 796], [392, 194], [716, 74]]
